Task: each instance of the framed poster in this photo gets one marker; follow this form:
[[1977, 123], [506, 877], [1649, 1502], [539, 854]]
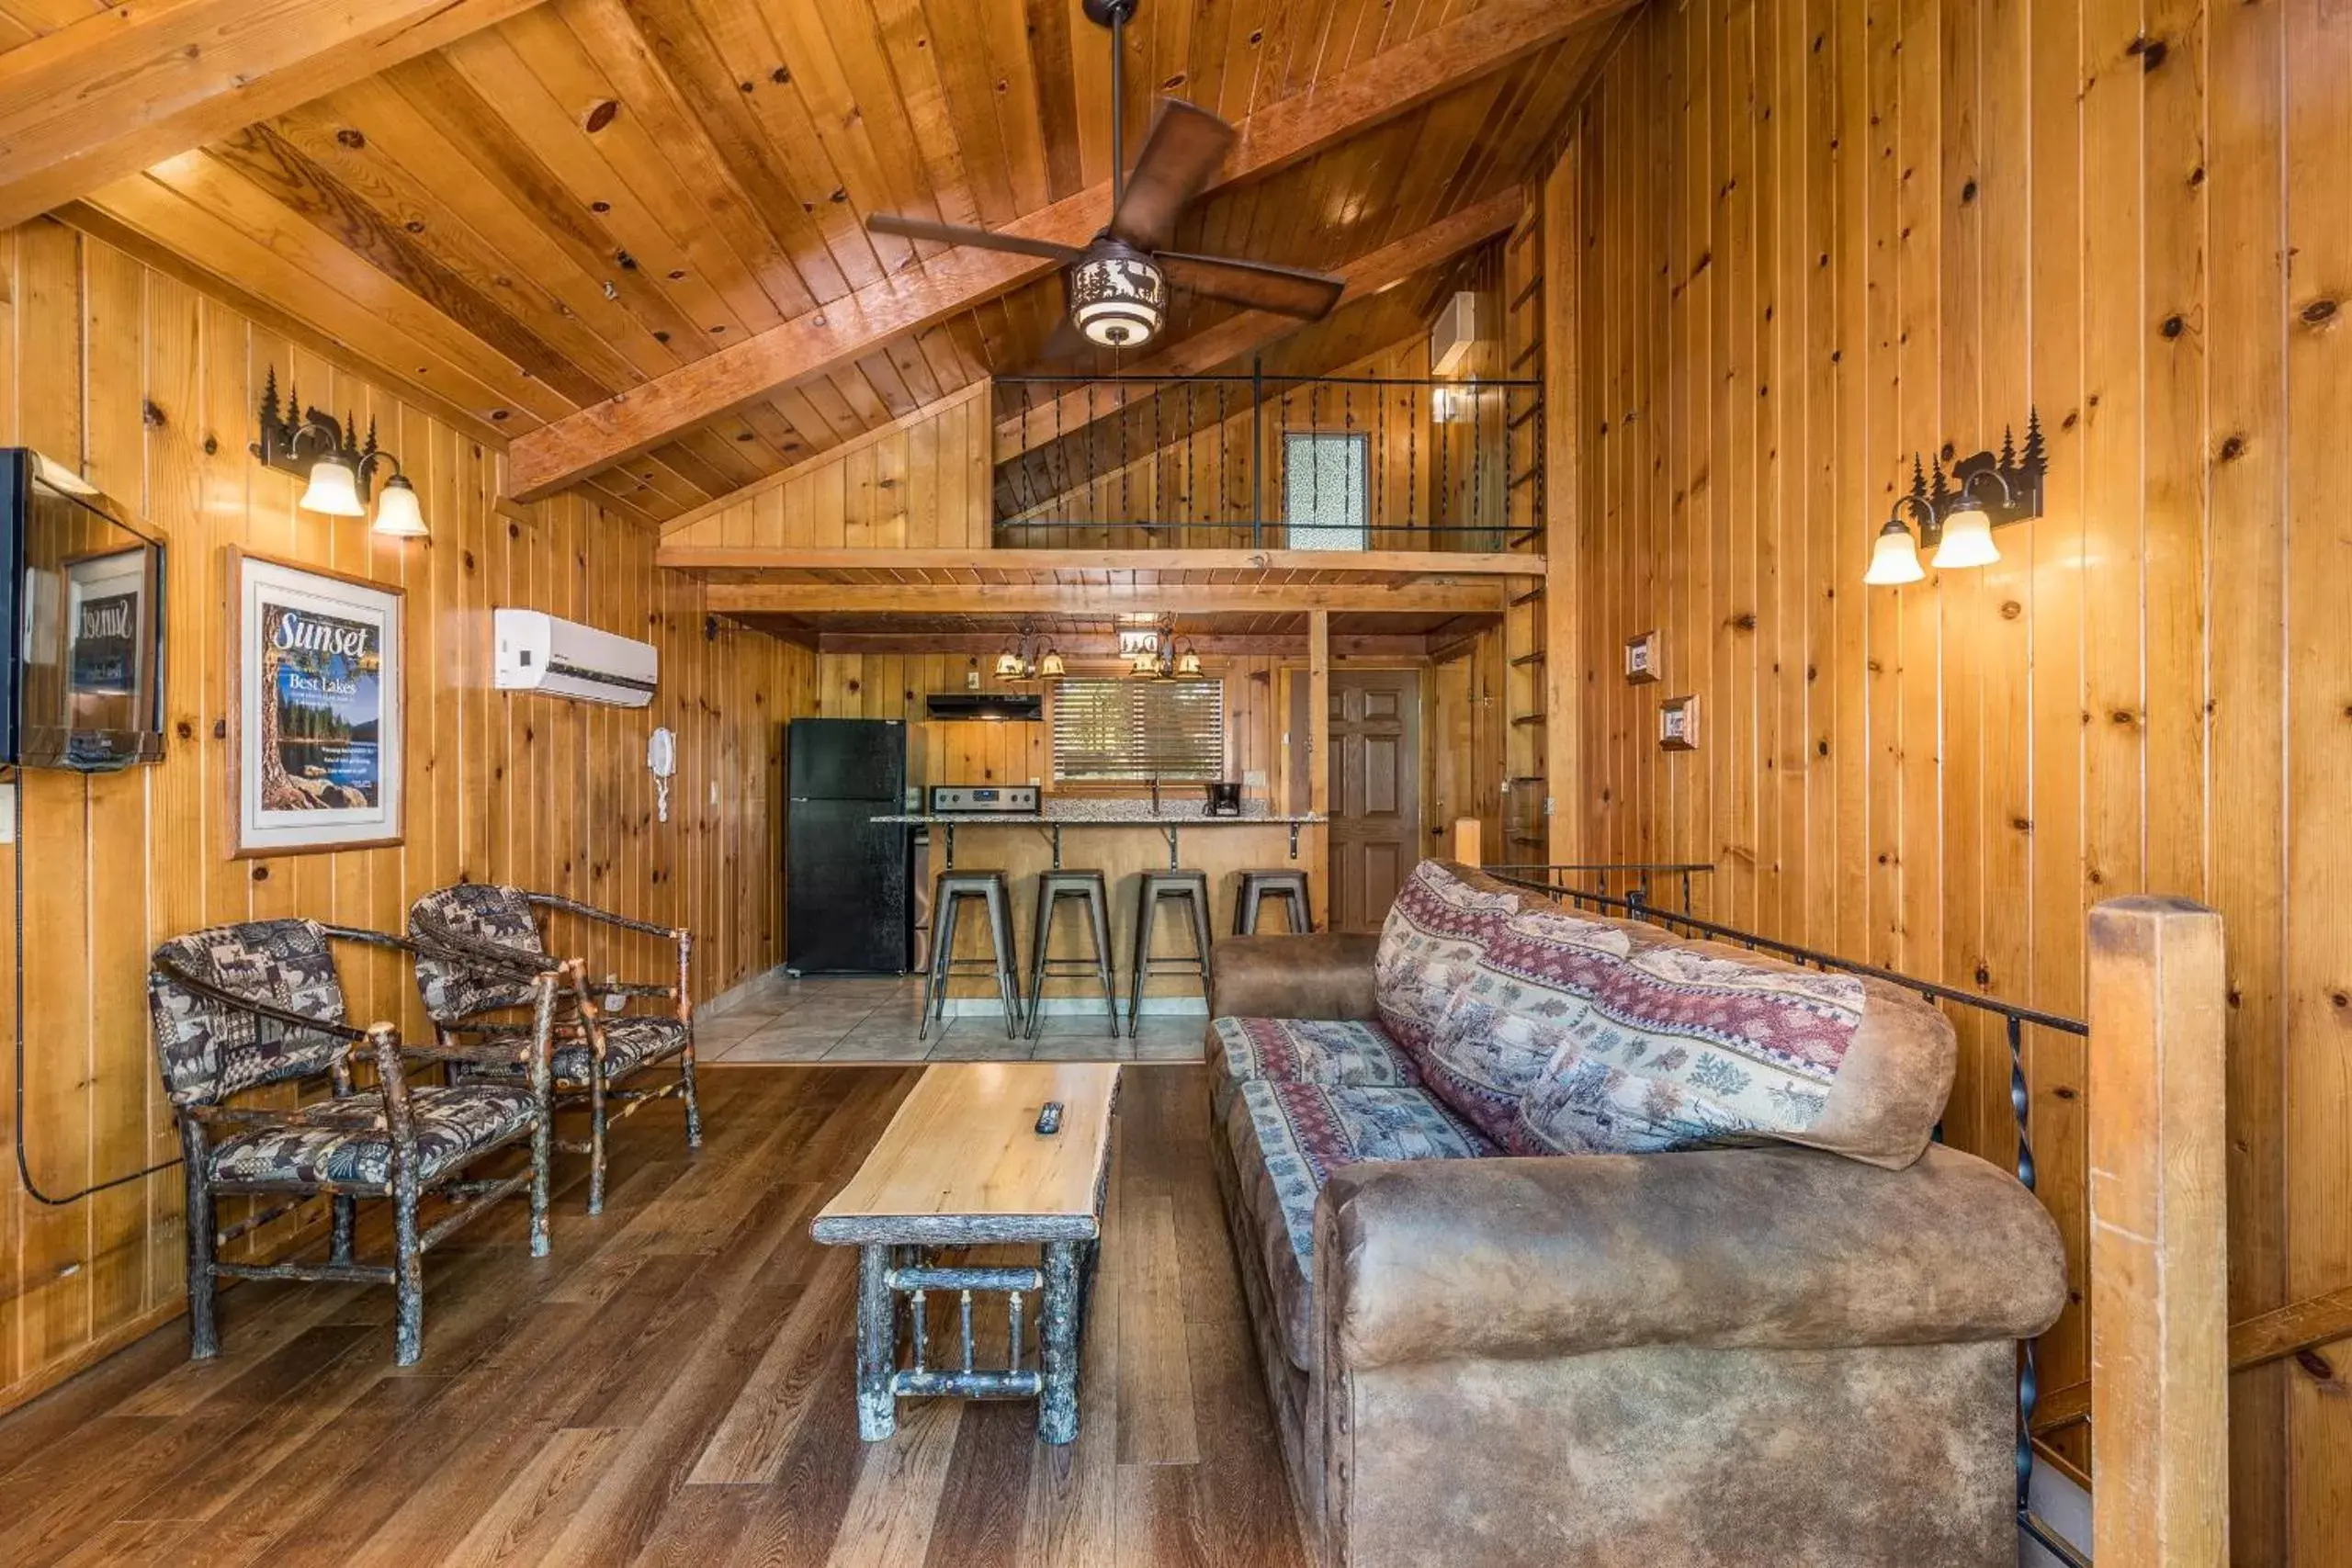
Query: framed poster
[[109, 656], [316, 746]]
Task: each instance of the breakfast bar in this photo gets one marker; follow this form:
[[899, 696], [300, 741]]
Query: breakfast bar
[[1159, 878], [1054, 818]]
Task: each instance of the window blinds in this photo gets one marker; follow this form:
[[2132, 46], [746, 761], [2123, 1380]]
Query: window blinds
[[1121, 728]]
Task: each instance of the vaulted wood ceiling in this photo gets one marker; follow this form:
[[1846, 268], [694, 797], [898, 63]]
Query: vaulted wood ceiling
[[592, 195]]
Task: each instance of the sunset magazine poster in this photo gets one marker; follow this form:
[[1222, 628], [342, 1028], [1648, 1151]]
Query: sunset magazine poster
[[317, 747]]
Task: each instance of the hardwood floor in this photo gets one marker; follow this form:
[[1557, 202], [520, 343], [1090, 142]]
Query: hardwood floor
[[673, 1386]]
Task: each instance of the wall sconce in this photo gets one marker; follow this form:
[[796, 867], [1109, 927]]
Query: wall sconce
[[1955, 513], [319, 448]]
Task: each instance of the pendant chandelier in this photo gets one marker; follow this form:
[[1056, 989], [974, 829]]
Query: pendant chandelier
[[1164, 657], [1027, 660]]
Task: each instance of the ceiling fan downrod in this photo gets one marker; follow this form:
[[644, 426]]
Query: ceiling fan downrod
[[1114, 15]]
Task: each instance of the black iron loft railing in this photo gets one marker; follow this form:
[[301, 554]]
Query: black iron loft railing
[[1263, 461], [1579, 885]]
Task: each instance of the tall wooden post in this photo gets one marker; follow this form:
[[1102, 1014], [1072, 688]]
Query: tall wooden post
[[1561, 426], [2158, 1260], [1466, 847], [1318, 757], [1318, 711]]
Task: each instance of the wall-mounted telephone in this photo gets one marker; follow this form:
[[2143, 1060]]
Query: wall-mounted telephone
[[661, 762]]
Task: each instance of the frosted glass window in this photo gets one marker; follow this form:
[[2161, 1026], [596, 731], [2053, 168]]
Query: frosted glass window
[[1327, 482]]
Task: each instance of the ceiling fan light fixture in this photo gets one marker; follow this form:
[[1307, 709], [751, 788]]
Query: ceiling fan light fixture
[[1118, 299]]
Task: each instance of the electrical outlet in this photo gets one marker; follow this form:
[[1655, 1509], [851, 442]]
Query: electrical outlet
[[1547, 805], [1254, 778]]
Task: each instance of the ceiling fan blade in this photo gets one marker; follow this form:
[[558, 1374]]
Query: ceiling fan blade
[[1066, 351], [956, 234], [1288, 290], [1185, 148]]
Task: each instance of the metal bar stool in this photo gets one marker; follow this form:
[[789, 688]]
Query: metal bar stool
[[1053, 886], [991, 889], [1193, 887], [1257, 887]]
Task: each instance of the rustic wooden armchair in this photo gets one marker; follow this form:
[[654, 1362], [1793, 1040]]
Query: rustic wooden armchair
[[238, 1007], [484, 943]]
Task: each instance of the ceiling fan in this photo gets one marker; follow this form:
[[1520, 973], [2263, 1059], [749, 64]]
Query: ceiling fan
[[1117, 284]]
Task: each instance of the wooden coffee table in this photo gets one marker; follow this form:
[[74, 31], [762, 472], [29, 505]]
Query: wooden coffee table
[[963, 1163]]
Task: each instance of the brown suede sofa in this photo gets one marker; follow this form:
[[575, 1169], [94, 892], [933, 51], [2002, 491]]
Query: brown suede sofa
[[1725, 1349]]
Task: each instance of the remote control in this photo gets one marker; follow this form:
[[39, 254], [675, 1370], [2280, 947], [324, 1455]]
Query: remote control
[[1049, 1120]]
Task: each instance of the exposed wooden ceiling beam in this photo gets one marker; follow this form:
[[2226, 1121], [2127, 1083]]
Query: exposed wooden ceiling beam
[[138, 83], [1427, 563], [1209, 645], [1236, 336], [1440, 597], [954, 280]]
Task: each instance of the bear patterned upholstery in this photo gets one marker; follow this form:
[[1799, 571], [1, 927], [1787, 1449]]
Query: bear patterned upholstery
[[1291, 1136], [631, 1040], [487, 915], [1429, 946], [347, 1144], [236, 1007], [208, 1050]]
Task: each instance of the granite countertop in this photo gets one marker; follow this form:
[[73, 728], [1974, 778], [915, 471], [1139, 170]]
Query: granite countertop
[[1111, 814]]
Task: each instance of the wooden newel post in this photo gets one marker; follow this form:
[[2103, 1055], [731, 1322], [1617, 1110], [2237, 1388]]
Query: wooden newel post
[[2159, 1266], [1465, 841]]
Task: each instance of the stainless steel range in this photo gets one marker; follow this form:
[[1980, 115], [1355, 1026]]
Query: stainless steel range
[[983, 800]]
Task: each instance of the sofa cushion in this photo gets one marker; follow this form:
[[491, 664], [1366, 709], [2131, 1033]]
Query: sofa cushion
[[1531, 984], [1334, 1054], [1682, 1048], [349, 1143], [1436, 932], [1288, 1138]]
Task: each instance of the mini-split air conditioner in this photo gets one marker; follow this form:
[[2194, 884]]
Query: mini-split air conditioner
[[539, 652], [1454, 334]]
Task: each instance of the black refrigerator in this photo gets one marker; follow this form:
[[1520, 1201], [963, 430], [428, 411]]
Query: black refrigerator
[[848, 883]]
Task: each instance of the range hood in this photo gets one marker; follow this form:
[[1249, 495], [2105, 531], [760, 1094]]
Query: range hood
[[998, 706]]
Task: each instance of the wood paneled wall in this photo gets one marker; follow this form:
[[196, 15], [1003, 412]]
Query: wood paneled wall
[[877, 685], [1817, 235], [1465, 746], [150, 385], [922, 482], [1436, 484]]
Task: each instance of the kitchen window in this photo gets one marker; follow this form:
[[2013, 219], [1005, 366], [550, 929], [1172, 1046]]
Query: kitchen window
[[1119, 729]]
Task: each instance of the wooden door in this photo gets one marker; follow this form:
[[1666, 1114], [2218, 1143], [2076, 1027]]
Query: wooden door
[[1376, 793]]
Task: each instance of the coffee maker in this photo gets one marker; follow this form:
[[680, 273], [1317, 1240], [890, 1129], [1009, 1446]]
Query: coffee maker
[[1225, 798]]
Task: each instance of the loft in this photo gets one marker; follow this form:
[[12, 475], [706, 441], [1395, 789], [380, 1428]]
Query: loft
[[1346, 757]]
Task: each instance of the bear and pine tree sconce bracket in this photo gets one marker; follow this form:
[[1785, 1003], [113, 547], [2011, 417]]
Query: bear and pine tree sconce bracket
[[1957, 513], [320, 448]]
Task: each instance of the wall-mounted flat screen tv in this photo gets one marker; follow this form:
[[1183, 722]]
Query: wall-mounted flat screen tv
[[85, 611]]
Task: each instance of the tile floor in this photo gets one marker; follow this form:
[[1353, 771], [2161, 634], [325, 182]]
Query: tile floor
[[779, 1018]]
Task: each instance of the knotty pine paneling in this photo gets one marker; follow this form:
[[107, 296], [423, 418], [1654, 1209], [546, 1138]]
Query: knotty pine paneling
[[922, 482], [877, 685], [1817, 235], [150, 385]]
